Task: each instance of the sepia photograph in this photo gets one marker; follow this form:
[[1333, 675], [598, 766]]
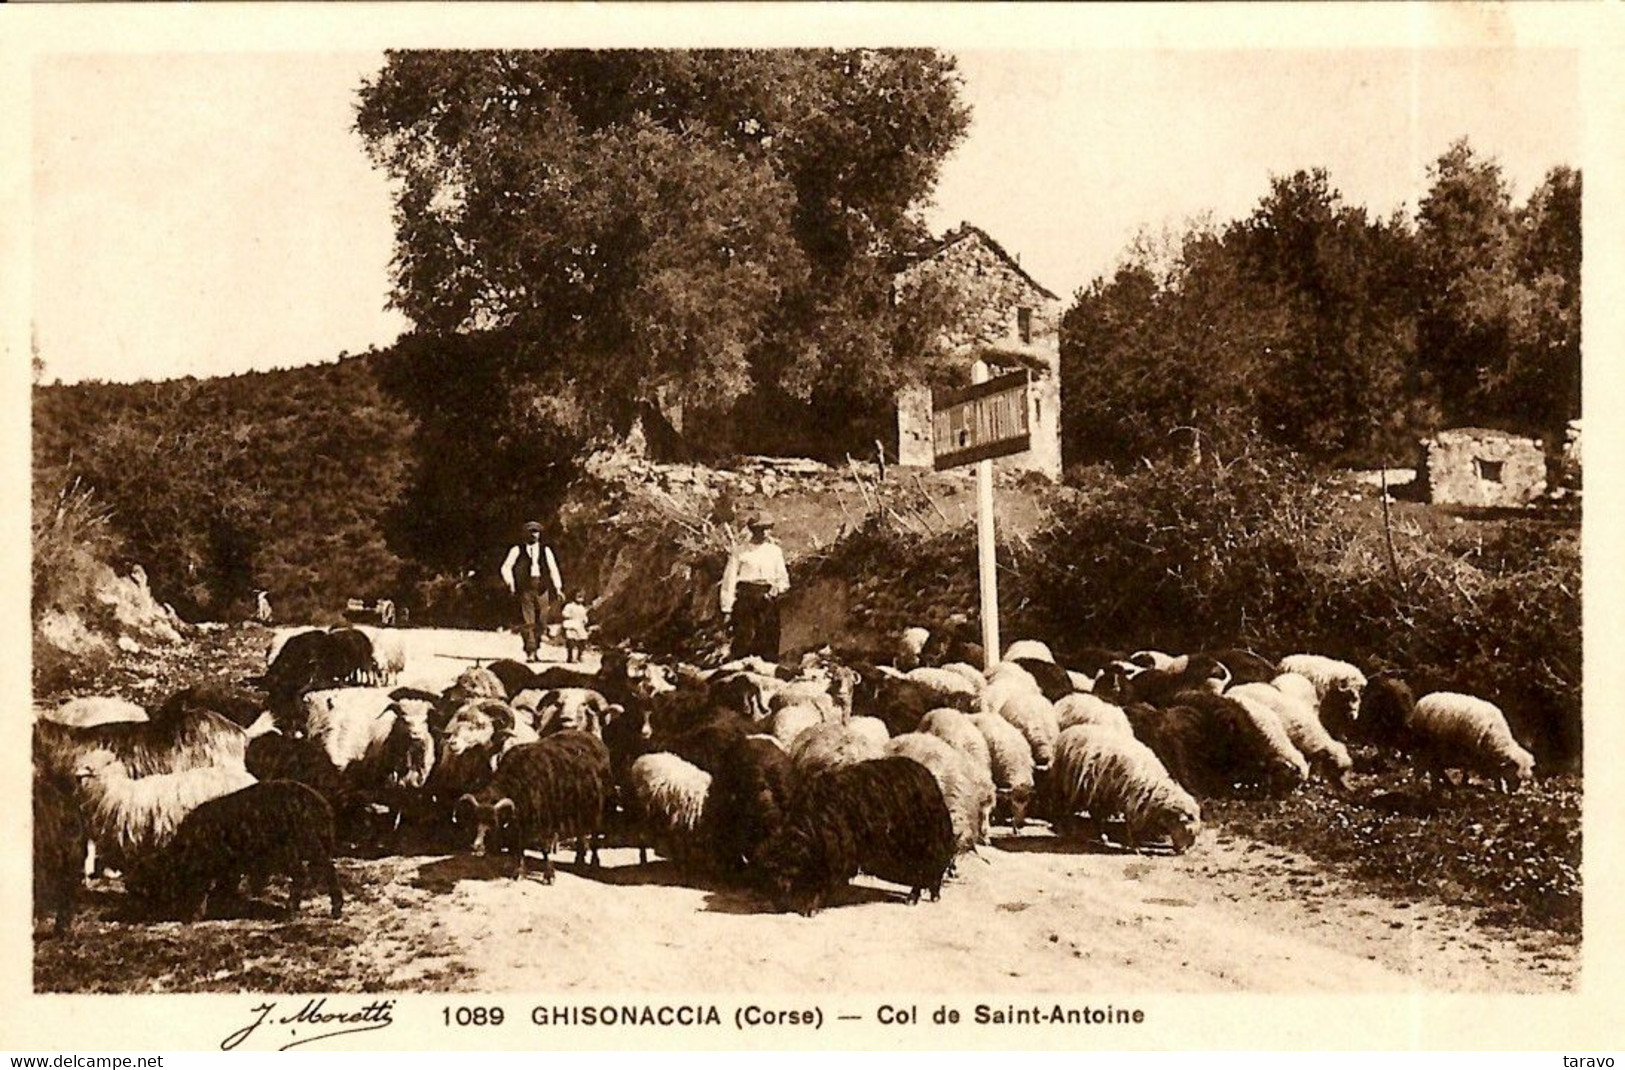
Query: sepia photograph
[[1019, 524]]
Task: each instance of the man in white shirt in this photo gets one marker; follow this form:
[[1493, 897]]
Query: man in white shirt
[[752, 584], [523, 572]]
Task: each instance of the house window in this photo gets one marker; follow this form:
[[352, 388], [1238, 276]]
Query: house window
[[1024, 323], [1489, 471]]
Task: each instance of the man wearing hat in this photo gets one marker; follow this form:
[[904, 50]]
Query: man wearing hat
[[523, 573], [751, 586]]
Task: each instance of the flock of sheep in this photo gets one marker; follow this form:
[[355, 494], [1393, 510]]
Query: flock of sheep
[[790, 779]]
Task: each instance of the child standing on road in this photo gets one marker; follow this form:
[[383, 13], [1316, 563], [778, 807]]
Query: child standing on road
[[576, 627]]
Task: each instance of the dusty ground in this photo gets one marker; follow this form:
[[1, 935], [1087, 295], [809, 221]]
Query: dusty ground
[[1034, 913]]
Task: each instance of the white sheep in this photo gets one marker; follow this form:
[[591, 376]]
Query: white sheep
[[1269, 723], [93, 710], [1005, 681], [1299, 716], [786, 725], [1012, 762], [1034, 717], [136, 815], [669, 795], [1449, 730], [1107, 774], [912, 643], [971, 674], [388, 653], [872, 727], [944, 682], [1327, 674], [970, 803], [1031, 649], [957, 730], [1087, 709], [1081, 681], [832, 746]]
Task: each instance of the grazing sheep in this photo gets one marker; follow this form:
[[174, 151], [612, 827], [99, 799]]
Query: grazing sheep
[[885, 817], [92, 711], [1089, 660], [1028, 648], [388, 655], [542, 793], [969, 796], [1327, 674], [279, 757], [1035, 718], [668, 800], [1449, 730], [59, 850], [751, 790], [1297, 715], [1087, 709], [306, 661], [192, 741], [353, 650], [1012, 763], [1387, 709], [788, 724], [273, 827], [831, 746], [969, 673], [870, 727], [1108, 773], [1225, 746], [1013, 671], [944, 681], [959, 732], [131, 816], [900, 703], [1273, 729], [1245, 666], [1157, 685]]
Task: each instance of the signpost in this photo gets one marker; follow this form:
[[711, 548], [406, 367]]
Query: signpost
[[973, 425]]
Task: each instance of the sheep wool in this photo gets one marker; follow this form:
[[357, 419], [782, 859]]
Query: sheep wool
[[1325, 673], [1012, 763], [1035, 718], [969, 801], [787, 724], [969, 673], [1029, 648], [134, 815], [957, 730], [1269, 724], [1087, 709], [1106, 773], [669, 795], [93, 710], [1456, 731], [943, 681], [832, 746], [1302, 723], [872, 727]]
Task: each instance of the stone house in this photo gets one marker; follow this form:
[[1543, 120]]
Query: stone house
[[1481, 467], [1003, 316]]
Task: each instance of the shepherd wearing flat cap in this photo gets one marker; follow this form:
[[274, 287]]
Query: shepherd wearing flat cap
[[752, 584], [529, 563]]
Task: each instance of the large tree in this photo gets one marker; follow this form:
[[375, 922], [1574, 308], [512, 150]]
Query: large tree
[[685, 225]]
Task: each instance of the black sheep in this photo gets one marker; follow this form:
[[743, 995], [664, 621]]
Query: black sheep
[[750, 794], [269, 828], [352, 653], [884, 817], [515, 677], [236, 704], [1245, 666], [1386, 709], [899, 704], [1233, 750], [308, 661], [541, 794], [1052, 679], [277, 757], [59, 850], [1156, 686], [1089, 660]]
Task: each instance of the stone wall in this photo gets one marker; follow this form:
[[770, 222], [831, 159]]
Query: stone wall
[[1484, 468], [992, 293]]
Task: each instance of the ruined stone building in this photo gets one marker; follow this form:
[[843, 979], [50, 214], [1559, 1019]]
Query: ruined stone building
[[1485, 468], [1003, 316]]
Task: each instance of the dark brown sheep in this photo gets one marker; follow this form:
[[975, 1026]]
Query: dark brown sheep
[[541, 794], [59, 850]]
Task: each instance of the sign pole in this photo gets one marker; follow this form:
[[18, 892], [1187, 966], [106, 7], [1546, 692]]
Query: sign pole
[[985, 555]]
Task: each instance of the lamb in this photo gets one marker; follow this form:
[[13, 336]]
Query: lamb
[[1297, 715], [59, 850], [885, 817], [1449, 730], [1035, 718], [131, 816], [1087, 709], [667, 800], [788, 724], [832, 746], [273, 827], [1012, 765], [192, 741], [959, 732], [1108, 773], [93, 710], [1028, 648], [969, 797], [541, 794]]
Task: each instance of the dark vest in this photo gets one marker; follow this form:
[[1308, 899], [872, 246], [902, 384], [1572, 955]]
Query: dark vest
[[523, 578]]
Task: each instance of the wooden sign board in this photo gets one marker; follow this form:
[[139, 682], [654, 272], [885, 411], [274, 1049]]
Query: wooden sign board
[[980, 422]]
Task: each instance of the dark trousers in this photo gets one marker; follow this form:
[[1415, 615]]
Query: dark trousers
[[756, 622], [533, 610]]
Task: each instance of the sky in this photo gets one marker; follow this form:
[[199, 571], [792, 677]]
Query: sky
[[213, 214]]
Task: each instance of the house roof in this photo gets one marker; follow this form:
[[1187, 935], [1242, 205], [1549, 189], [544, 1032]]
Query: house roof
[[959, 234]]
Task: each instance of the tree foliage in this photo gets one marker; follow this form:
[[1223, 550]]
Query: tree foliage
[[1327, 331], [664, 225]]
